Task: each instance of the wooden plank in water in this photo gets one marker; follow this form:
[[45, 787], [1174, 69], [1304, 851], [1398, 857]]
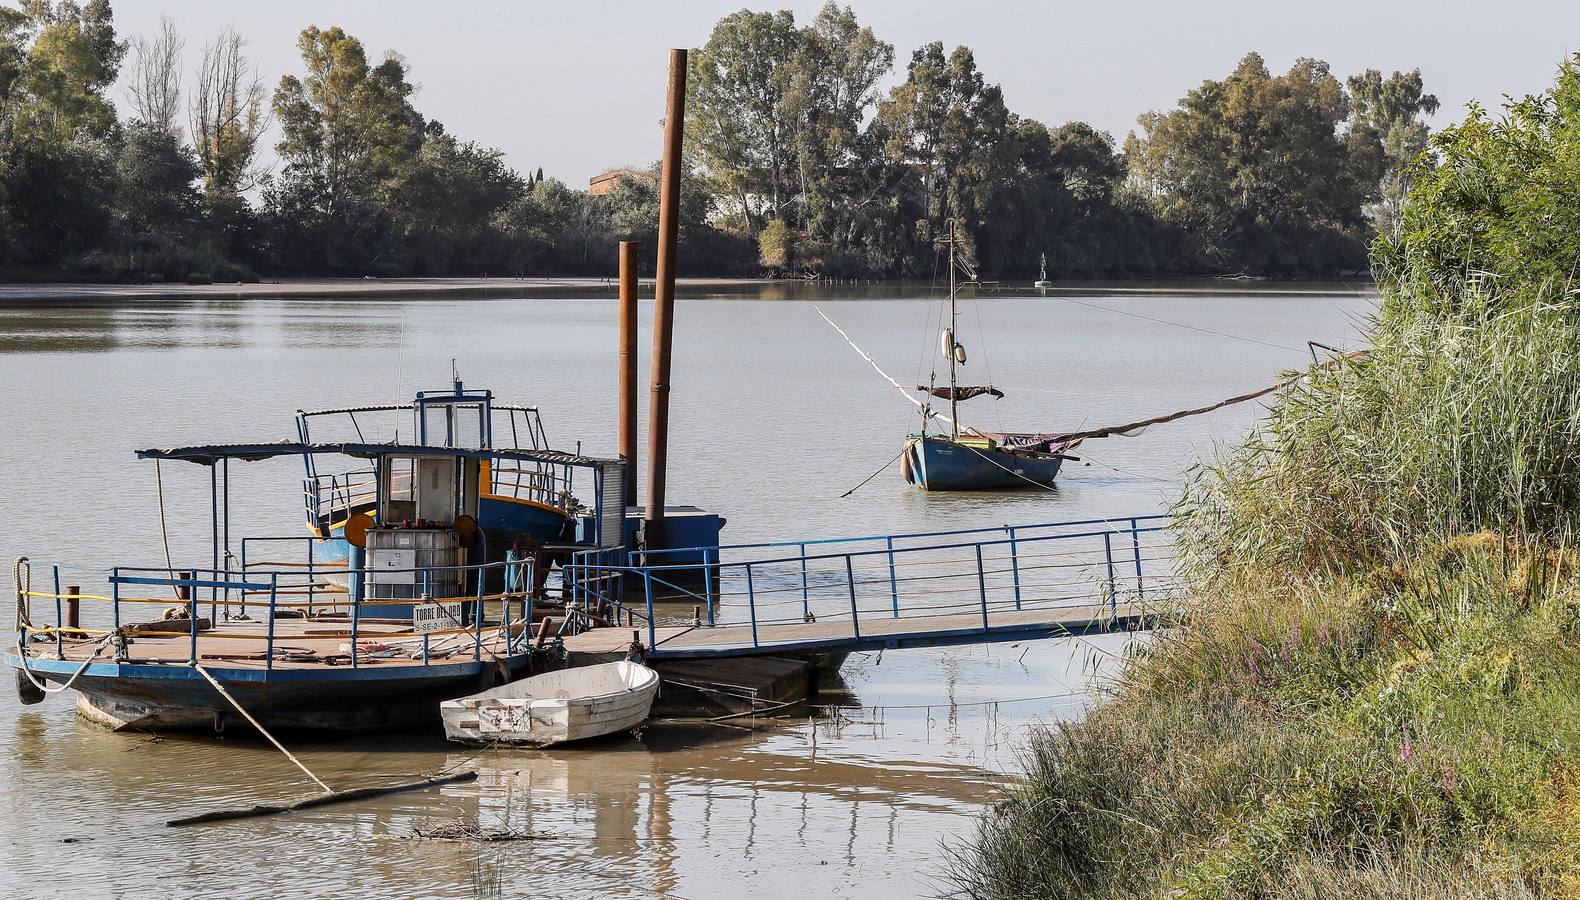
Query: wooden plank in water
[[324, 800]]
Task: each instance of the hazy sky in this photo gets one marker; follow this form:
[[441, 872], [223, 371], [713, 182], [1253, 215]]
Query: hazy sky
[[578, 87]]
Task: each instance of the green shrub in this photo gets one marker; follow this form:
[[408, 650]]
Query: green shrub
[[776, 245]]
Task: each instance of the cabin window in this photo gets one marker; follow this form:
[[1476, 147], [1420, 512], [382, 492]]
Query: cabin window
[[453, 425]]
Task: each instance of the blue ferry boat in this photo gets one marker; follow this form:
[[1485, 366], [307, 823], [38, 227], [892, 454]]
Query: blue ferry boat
[[415, 584]]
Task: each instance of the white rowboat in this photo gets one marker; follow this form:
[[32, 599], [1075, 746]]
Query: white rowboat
[[567, 705]]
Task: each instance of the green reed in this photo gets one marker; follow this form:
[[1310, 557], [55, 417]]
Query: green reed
[[1376, 688]]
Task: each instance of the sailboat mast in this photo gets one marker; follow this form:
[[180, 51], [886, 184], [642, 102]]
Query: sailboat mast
[[954, 398]]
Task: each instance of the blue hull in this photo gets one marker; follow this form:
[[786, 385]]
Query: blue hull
[[502, 516], [939, 464], [369, 698]]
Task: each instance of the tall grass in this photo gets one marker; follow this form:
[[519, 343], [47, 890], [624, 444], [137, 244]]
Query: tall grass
[[1377, 688], [1452, 425], [1409, 731]]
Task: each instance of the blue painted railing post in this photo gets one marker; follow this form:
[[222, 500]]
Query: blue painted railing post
[[477, 652], [115, 597], [707, 582], [894, 584], [504, 614], [268, 644], [526, 623], [356, 611], [59, 618], [806, 599], [652, 626], [243, 577], [982, 587], [1135, 546], [192, 613], [309, 578], [1014, 564], [1113, 599], [568, 573], [751, 603], [850, 580]]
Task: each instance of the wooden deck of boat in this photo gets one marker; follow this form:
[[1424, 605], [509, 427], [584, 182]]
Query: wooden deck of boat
[[875, 632], [241, 644], [246, 649]]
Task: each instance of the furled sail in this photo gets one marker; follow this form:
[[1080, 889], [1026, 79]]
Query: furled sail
[[962, 393], [1044, 443]]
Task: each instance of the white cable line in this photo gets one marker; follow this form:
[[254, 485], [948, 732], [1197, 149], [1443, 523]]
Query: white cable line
[[879, 369]]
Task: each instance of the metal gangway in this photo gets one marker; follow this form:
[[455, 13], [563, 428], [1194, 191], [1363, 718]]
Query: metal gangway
[[967, 586]]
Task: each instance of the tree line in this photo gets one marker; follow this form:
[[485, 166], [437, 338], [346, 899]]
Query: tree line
[[797, 162]]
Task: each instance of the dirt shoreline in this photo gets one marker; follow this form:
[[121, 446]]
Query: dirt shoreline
[[332, 287]]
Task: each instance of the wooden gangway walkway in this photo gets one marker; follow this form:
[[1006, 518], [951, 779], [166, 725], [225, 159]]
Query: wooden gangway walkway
[[973, 586], [703, 641]]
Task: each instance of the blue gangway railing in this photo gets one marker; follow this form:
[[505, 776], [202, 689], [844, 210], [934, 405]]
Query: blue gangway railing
[[998, 574]]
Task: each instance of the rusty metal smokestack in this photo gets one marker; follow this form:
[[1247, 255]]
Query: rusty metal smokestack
[[629, 252], [664, 299]]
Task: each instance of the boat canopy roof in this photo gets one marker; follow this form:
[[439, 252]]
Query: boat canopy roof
[[209, 454], [400, 407]]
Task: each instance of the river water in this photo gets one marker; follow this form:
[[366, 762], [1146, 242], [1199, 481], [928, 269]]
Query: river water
[[774, 416]]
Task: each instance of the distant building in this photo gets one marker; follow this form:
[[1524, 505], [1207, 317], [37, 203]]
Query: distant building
[[604, 182]]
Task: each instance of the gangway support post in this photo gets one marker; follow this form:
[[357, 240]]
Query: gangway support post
[[629, 254], [664, 300]]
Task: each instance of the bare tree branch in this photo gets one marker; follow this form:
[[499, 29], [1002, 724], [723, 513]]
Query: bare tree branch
[[155, 87], [229, 114]]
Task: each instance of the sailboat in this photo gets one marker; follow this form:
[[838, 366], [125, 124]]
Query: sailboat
[[970, 459]]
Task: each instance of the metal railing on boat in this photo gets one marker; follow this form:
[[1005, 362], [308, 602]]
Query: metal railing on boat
[[241, 589]]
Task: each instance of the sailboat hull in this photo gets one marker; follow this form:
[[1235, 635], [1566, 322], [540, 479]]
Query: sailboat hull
[[939, 464]]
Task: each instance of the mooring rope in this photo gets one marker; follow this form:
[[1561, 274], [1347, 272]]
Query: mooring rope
[[903, 451], [22, 584], [164, 530], [1223, 334], [1131, 429], [43, 686], [261, 730]]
